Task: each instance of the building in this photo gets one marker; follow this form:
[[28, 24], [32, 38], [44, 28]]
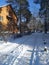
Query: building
[[8, 18]]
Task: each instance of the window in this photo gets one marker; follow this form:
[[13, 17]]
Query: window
[[0, 10], [7, 10], [1, 18]]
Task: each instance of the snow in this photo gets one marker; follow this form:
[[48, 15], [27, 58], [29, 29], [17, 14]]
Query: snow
[[7, 48], [3, 3], [27, 50]]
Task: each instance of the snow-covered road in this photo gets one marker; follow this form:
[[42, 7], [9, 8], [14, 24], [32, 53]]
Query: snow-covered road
[[27, 50]]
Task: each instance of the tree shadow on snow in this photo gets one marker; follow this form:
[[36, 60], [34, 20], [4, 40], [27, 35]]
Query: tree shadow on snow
[[34, 58]]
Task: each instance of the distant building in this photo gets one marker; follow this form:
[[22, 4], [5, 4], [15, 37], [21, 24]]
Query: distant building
[[8, 18]]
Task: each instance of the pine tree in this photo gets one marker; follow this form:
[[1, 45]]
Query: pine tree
[[22, 10], [44, 10]]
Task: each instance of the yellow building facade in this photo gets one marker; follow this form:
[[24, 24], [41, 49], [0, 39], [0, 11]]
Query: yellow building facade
[[8, 17]]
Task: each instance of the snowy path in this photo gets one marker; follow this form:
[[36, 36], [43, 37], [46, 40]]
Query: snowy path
[[28, 50]]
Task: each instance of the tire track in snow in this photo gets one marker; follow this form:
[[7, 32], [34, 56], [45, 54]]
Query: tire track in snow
[[33, 57], [15, 59], [23, 41], [8, 60], [11, 63], [10, 54]]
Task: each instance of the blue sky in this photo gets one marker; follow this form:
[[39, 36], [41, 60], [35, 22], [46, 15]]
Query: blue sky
[[2, 2], [34, 8]]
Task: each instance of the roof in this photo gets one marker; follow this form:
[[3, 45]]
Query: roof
[[13, 10], [3, 3]]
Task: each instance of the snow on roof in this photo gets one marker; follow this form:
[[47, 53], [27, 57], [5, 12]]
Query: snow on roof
[[3, 3]]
